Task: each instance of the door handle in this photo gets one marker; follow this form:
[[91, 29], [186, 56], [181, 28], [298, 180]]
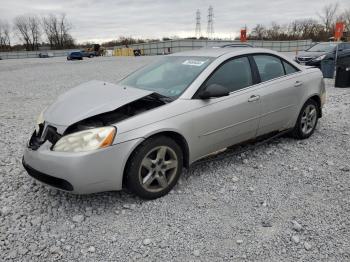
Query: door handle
[[298, 83], [254, 98]]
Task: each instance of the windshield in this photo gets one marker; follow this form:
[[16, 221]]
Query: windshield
[[322, 47], [170, 76]]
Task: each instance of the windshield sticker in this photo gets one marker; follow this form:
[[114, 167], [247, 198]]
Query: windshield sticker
[[194, 62]]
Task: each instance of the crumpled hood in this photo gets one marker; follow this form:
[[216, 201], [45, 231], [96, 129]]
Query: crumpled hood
[[89, 99]]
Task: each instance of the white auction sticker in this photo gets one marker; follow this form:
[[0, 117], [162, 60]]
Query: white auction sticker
[[194, 62]]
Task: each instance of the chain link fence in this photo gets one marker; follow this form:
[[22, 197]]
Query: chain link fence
[[34, 54], [173, 46]]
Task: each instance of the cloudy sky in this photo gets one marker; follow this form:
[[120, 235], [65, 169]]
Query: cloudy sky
[[102, 20]]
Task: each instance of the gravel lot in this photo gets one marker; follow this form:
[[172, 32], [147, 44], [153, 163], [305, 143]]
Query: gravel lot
[[286, 200]]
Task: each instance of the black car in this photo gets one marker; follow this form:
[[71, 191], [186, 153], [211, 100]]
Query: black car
[[314, 55]]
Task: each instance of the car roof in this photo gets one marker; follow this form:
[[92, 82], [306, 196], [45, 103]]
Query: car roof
[[234, 45], [217, 52]]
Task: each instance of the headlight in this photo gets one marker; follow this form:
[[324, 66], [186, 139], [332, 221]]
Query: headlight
[[40, 120], [86, 140], [320, 58]]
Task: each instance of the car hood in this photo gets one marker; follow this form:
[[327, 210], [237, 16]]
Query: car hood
[[89, 99], [310, 54]]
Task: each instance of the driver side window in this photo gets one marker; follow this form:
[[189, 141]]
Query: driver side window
[[234, 75]]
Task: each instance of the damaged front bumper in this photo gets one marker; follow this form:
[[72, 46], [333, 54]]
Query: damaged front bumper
[[81, 173]]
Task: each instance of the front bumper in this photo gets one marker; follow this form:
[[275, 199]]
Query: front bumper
[[80, 173], [302, 60]]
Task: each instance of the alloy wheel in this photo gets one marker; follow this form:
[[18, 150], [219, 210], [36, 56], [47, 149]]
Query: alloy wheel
[[158, 168], [308, 119]]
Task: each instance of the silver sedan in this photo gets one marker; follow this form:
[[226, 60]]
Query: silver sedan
[[141, 132]]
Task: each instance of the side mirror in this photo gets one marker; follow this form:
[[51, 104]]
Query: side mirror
[[214, 90]]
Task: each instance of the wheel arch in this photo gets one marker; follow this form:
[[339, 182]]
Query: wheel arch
[[317, 99], [176, 136]]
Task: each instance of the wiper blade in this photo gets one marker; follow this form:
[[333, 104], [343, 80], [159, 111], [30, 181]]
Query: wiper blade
[[165, 99]]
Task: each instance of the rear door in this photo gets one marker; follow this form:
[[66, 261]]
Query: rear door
[[279, 92]]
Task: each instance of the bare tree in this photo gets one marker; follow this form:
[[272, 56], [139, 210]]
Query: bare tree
[[57, 29], [28, 30], [5, 42], [276, 32], [259, 32], [345, 17], [328, 16]]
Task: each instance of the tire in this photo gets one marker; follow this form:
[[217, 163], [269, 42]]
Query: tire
[[91, 56], [307, 121], [154, 167]]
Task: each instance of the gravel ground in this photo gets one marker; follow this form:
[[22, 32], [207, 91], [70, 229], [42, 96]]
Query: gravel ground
[[286, 200]]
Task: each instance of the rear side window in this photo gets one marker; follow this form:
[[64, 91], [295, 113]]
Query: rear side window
[[289, 68], [234, 75], [269, 67]]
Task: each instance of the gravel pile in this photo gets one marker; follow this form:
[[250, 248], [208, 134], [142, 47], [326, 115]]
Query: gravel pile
[[286, 200]]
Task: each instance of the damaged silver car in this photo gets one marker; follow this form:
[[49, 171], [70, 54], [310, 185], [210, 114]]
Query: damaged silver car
[[141, 132]]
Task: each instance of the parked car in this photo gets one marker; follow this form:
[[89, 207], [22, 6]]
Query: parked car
[[89, 54], [45, 55], [141, 132], [76, 55], [314, 55]]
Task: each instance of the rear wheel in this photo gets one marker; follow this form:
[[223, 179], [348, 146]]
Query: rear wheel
[[154, 167], [307, 120]]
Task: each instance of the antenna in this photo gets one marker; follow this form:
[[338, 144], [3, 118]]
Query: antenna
[[210, 27], [198, 32]]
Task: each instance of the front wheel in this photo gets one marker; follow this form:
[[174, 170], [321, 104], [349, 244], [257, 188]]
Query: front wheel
[[154, 167], [307, 120]]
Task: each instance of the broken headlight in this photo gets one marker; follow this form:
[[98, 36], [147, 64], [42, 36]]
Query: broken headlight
[[40, 120], [86, 140]]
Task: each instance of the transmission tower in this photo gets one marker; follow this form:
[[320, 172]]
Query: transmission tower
[[198, 32], [210, 27]]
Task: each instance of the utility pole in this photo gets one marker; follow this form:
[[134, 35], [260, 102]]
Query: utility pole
[[210, 27], [198, 32]]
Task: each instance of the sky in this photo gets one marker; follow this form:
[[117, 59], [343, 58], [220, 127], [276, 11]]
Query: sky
[[104, 20]]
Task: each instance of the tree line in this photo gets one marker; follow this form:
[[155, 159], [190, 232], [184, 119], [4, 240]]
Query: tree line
[[321, 29], [32, 31]]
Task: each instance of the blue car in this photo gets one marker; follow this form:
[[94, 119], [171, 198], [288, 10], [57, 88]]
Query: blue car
[[75, 56]]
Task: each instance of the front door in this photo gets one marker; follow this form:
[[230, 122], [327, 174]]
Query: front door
[[224, 121]]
